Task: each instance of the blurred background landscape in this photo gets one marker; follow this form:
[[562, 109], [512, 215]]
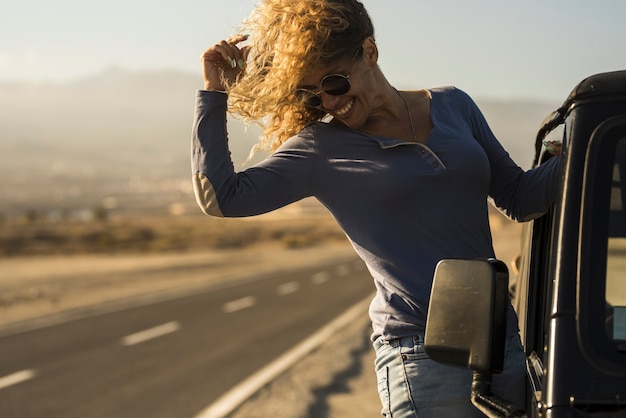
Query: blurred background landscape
[[102, 164]]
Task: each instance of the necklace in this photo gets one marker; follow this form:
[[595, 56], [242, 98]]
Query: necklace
[[408, 111]]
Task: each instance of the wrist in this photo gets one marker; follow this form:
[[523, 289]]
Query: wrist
[[210, 83], [215, 90]]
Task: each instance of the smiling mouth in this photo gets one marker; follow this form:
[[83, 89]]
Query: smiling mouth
[[344, 110]]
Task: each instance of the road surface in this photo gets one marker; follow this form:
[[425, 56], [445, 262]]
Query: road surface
[[172, 358]]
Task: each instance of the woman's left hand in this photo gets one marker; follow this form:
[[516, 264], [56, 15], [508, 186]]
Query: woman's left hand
[[553, 147]]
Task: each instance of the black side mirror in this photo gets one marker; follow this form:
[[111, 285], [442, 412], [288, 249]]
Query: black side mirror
[[466, 325]]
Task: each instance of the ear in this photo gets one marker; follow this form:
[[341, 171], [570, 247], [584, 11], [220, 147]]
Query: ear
[[370, 50]]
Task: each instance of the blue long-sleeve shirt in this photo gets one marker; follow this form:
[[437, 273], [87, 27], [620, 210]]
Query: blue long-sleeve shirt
[[403, 205]]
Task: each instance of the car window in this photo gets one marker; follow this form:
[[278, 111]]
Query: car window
[[615, 294]]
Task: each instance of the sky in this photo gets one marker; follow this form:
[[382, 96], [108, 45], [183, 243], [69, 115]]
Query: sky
[[501, 49]]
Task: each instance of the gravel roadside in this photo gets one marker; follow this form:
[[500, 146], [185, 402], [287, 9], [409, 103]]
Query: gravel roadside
[[335, 381]]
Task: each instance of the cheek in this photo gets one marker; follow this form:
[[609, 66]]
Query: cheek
[[363, 101], [365, 89]]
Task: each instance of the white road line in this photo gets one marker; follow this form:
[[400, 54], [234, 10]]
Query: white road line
[[234, 397], [288, 288], [320, 278], [17, 377], [151, 333], [239, 304], [343, 270]]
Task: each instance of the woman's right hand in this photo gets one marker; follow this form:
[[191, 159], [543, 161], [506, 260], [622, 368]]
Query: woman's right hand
[[224, 61]]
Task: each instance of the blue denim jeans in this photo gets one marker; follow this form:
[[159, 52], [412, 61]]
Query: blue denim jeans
[[411, 385]]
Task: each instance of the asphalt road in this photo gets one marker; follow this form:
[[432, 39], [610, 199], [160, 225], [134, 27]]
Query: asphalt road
[[173, 358]]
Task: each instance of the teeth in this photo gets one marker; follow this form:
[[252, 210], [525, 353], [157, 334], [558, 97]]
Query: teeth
[[345, 109]]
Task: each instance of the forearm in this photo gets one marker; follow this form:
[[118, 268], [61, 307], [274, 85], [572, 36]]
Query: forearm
[[210, 161], [282, 178], [527, 195]]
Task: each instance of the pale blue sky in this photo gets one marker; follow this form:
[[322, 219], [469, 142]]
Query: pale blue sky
[[490, 48]]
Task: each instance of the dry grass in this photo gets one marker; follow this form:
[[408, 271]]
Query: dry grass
[[161, 234], [144, 234]]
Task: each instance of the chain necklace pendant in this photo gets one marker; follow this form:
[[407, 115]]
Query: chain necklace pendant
[[408, 111]]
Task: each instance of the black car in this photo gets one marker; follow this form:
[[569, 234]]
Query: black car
[[570, 290]]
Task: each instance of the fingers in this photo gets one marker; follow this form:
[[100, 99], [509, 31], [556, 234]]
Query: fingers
[[235, 39], [224, 60], [228, 52], [553, 147], [232, 54]]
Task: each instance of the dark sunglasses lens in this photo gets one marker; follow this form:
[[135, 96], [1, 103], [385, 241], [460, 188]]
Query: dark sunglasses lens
[[308, 98], [335, 85]]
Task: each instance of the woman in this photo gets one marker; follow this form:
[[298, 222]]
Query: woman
[[406, 174]]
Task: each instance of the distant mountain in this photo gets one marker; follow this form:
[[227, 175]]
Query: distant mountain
[[118, 120], [123, 124]]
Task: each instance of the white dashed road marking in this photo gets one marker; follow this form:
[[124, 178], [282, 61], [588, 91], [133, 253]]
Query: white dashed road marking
[[321, 277], [17, 377], [288, 288], [149, 334], [343, 270], [239, 304]]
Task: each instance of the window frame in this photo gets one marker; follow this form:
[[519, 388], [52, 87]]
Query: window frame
[[605, 353]]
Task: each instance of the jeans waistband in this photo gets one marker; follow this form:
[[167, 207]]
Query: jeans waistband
[[408, 341]]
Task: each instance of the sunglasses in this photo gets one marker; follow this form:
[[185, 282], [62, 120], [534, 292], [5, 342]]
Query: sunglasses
[[333, 84]]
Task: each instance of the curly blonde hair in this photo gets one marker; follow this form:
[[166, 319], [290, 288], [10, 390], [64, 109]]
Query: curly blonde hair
[[290, 38]]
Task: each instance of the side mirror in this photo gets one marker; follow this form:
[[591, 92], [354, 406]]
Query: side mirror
[[466, 323]]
